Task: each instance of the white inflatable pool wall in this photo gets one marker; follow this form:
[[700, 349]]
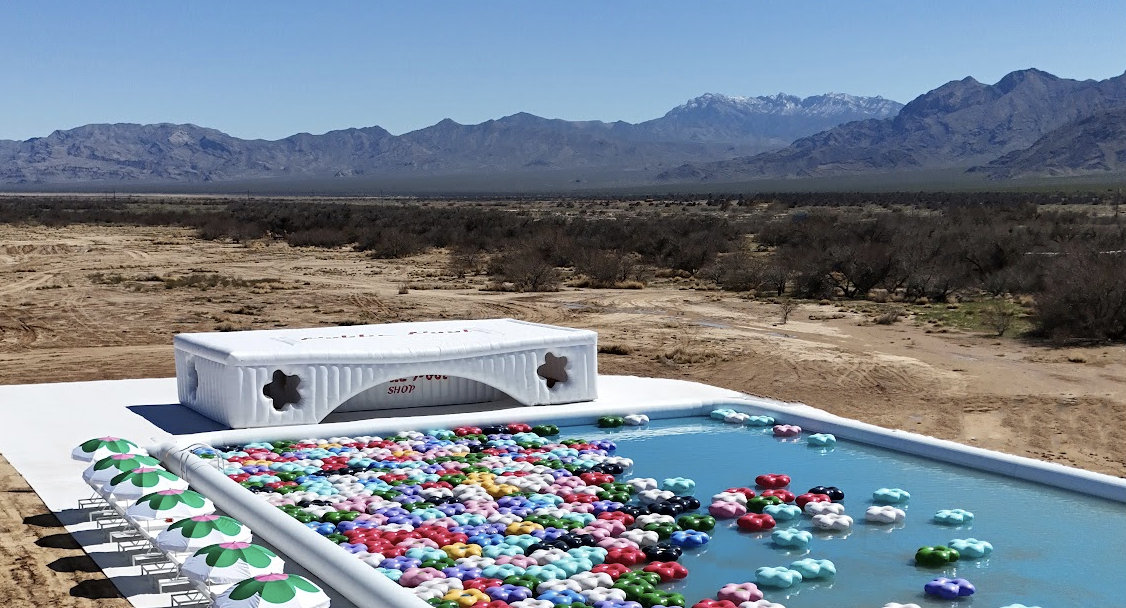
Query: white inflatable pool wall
[[224, 375], [365, 587]]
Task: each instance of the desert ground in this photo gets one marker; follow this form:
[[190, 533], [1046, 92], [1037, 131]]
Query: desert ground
[[93, 303]]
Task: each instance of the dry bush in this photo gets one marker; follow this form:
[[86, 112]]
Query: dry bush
[[998, 316], [891, 316], [526, 270], [785, 308], [613, 349]]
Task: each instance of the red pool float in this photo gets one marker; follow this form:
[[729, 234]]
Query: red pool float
[[668, 571], [755, 522], [625, 555], [594, 479], [805, 499], [625, 518], [492, 604], [614, 570], [773, 480], [519, 427], [481, 584], [749, 493], [710, 603], [785, 496], [462, 431]]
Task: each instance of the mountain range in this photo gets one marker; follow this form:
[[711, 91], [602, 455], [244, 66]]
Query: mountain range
[[1030, 123], [1013, 127], [710, 127]]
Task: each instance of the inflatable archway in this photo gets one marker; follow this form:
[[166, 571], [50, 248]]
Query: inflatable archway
[[299, 376]]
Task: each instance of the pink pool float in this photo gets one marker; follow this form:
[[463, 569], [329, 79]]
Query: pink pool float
[[740, 592], [787, 430]]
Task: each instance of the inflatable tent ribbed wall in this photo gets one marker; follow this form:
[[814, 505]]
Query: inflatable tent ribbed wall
[[299, 376]]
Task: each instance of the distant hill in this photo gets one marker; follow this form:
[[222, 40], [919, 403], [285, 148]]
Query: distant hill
[[959, 124], [707, 128], [1092, 145]]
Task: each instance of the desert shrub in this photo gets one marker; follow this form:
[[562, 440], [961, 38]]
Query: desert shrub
[[319, 237], [463, 260], [607, 267], [613, 349], [526, 270], [738, 271], [1084, 297], [785, 309], [998, 316], [890, 317]]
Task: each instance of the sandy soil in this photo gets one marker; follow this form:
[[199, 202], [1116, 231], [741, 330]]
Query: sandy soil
[[84, 303]]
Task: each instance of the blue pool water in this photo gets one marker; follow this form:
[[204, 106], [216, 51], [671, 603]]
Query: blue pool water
[[1052, 548]]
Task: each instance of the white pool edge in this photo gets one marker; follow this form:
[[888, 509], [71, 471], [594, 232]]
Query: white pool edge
[[359, 583]]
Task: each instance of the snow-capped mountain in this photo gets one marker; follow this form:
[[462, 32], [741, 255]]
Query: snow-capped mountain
[[767, 121]]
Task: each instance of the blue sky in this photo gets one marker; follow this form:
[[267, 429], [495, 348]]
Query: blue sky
[[271, 69]]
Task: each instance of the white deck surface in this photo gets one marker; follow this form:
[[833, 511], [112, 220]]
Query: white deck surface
[[43, 423]]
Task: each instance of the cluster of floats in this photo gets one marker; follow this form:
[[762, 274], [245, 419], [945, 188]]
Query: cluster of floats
[[515, 516]]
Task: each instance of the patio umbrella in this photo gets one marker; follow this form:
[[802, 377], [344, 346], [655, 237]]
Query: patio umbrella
[[134, 484], [273, 591], [101, 471], [227, 563], [170, 505], [100, 447], [197, 532]]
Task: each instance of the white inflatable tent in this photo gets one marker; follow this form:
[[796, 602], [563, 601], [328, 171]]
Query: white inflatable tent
[[298, 376]]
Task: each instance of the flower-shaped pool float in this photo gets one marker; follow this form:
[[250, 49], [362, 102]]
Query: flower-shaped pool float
[[678, 485], [885, 514], [949, 588], [787, 430], [891, 496], [814, 568], [777, 576], [821, 440], [782, 512], [953, 517], [832, 521], [792, 538], [971, 548], [740, 592], [938, 555]]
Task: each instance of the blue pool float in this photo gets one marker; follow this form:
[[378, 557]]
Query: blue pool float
[[679, 485], [759, 421], [791, 537], [953, 517], [777, 576], [821, 440], [690, 539], [971, 548], [814, 568], [893, 496], [783, 512]]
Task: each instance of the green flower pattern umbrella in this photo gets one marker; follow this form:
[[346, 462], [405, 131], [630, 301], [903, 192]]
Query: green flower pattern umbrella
[[274, 591], [169, 504], [134, 484], [100, 447], [101, 471], [227, 563], [197, 532]]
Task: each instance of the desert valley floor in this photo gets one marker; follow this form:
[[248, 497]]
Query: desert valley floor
[[93, 303]]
